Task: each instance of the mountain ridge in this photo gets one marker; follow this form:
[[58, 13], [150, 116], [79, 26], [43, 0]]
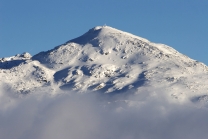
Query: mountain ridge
[[110, 61]]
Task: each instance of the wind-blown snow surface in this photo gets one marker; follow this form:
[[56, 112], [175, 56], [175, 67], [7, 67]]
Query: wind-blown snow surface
[[104, 84]]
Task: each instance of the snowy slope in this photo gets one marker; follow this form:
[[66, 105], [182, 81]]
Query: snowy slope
[[105, 84], [110, 61]]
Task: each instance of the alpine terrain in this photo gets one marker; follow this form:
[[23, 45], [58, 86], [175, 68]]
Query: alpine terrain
[[109, 61], [104, 84]]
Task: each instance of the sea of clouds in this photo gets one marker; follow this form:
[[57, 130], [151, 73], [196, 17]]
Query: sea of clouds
[[98, 116]]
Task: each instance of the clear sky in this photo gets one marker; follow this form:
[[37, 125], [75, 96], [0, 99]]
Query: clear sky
[[40, 25]]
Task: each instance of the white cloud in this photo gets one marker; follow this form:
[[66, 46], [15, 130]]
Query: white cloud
[[90, 116]]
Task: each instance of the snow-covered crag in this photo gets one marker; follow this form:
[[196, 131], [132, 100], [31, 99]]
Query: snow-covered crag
[[110, 61]]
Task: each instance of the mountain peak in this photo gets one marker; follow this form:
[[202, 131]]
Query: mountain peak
[[102, 32], [111, 61], [99, 27], [105, 40], [102, 28]]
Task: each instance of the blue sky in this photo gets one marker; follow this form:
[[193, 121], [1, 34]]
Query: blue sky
[[40, 25]]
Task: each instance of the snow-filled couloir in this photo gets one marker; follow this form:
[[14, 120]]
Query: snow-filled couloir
[[110, 61]]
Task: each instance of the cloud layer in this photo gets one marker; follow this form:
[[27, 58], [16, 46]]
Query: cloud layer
[[93, 116]]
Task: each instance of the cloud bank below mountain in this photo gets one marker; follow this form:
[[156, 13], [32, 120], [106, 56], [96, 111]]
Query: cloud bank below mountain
[[87, 116]]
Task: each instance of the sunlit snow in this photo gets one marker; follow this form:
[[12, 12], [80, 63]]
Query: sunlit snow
[[104, 84]]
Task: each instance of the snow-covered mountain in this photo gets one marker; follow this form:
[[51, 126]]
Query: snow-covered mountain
[[105, 84], [108, 60]]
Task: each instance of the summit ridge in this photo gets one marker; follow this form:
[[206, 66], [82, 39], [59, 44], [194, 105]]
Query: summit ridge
[[108, 60]]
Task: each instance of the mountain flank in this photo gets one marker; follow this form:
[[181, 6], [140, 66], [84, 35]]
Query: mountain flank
[[108, 60]]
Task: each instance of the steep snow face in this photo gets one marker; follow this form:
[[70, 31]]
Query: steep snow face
[[111, 61]]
